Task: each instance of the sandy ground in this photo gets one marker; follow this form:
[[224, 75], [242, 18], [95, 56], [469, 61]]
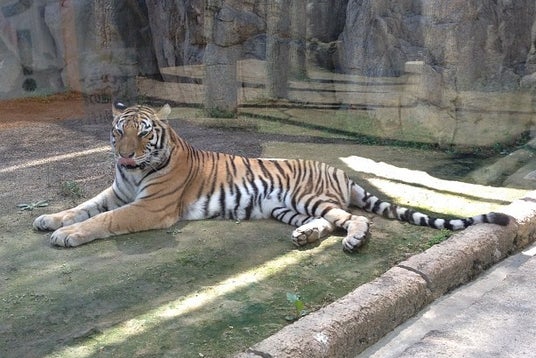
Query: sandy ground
[[198, 289]]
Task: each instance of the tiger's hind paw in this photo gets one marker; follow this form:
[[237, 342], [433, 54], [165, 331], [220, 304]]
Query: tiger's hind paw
[[301, 237], [352, 242], [312, 231], [358, 230]]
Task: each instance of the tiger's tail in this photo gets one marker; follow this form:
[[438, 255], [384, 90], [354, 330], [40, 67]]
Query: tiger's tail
[[369, 202]]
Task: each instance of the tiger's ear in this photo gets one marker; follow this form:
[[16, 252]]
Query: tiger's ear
[[118, 107], [164, 112]]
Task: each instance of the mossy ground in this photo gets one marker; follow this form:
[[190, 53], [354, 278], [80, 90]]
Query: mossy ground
[[207, 288]]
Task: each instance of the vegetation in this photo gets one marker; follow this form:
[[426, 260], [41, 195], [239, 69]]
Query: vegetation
[[71, 189], [31, 206], [298, 305]]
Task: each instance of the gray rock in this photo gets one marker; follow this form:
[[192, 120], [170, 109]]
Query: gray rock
[[473, 44], [177, 31], [10, 73], [325, 19], [234, 26]]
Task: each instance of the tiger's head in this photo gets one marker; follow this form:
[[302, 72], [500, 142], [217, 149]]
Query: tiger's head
[[139, 136]]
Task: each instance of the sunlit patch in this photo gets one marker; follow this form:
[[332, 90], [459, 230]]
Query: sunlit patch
[[181, 306], [419, 189], [56, 158]]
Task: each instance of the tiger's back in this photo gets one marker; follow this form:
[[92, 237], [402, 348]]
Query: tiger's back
[[239, 188]]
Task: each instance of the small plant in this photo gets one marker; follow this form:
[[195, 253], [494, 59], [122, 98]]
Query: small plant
[[174, 231], [71, 189], [31, 206], [440, 237], [299, 307], [219, 113]]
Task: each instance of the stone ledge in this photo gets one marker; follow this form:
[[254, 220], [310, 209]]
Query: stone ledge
[[349, 325], [462, 257]]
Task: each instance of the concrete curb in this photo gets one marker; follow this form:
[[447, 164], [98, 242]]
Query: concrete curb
[[349, 325]]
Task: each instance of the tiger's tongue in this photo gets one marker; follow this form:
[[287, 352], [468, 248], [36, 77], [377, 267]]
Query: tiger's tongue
[[129, 162]]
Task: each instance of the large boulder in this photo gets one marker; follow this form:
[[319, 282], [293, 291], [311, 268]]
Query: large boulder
[[325, 19], [177, 31], [30, 61], [474, 44]]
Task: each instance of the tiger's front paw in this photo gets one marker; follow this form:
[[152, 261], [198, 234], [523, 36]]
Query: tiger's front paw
[[57, 220], [47, 222], [69, 236]]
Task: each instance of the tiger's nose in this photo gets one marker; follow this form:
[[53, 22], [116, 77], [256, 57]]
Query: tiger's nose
[[127, 155]]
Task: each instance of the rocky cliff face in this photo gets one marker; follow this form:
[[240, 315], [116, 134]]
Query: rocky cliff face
[[177, 31], [473, 44], [479, 44]]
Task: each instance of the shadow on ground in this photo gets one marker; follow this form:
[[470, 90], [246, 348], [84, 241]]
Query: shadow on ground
[[207, 288]]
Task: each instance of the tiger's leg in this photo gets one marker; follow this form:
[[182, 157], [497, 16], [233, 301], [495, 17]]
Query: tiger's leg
[[309, 229], [132, 217], [357, 232], [106, 200], [357, 227]]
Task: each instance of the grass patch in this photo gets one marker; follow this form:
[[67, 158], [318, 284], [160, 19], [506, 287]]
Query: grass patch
[[71, 189]]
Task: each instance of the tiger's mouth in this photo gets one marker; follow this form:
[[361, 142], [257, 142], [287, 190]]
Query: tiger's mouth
[[128, 163]]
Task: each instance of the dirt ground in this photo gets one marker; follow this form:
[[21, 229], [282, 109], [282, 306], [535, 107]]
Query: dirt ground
[[199, 289]]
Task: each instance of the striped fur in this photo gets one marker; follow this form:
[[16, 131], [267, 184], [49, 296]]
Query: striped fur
[[160, 179]]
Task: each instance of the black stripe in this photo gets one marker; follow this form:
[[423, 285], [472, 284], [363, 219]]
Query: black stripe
[[237, 200], [408, 215], [266, 172], [278, 167], [375, 209], [222, 198], [120, 195], [289, 221], [315, 207], [249, 208], [307, 205]]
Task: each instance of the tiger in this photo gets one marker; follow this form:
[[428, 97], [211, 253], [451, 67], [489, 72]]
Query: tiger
[[160, 179]]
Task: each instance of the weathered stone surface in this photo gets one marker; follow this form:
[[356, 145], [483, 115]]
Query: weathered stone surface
[[220, 78], [325, 19], [234, 26], [475, 44], [10, 72], [531, 57], [177, 31], [470, 66], [524, 211], [380, 36], [31, 62], [229, 26], [459, 259], [350, 324], [277, 49]]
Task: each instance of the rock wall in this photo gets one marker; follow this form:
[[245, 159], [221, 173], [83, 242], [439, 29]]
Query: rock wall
[[480, 44], [29, 54], [177, 31]]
